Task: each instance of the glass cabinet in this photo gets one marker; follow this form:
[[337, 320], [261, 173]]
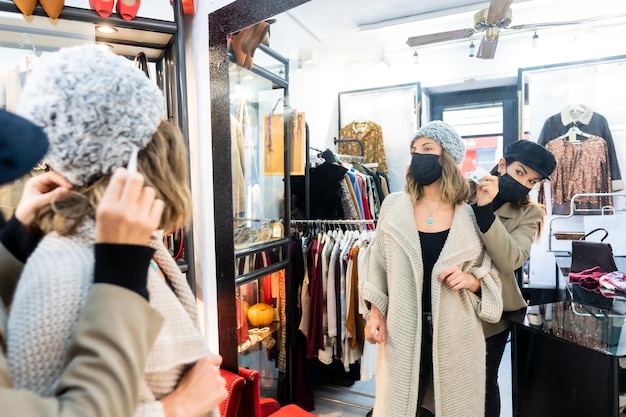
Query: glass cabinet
[[260, 122]]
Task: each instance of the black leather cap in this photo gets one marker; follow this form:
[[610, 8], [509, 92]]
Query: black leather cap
[[532, 155], [22, 145]]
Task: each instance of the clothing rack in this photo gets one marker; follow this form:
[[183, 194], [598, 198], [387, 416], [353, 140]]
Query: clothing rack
[[332, 387]]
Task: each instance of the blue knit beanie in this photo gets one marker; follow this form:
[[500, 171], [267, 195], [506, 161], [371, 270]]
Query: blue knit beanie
[[446, 136]]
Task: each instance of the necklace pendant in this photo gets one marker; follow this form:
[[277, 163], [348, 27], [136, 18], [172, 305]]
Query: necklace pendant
[[430, 221]]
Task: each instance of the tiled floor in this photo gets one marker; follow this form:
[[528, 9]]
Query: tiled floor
[[357, 400]]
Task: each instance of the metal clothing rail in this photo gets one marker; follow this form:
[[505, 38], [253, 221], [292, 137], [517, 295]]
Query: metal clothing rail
[[348, 140], [606, 210], [338, 221]]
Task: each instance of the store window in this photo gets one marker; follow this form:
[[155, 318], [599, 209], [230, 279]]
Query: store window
[[480, 126], [485, 119]]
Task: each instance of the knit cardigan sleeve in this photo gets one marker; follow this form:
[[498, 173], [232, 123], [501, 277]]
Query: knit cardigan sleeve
[[45, 311], [488, 304], [374, 289]]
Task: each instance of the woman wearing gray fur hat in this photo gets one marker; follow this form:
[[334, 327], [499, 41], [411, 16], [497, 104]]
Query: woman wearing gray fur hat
[[113, 347], [96, 108], [429, 285], [509, 222]]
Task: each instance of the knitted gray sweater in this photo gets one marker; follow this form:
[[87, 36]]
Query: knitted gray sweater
[[50, 295]]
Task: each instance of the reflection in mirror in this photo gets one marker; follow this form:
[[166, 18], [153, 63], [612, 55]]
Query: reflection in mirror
[[257, 107]]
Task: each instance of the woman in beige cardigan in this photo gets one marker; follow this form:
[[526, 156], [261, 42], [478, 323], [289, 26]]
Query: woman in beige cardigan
[[96, 108], [429, 284]]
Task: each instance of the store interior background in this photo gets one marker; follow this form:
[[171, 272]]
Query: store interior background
[[337, 46]]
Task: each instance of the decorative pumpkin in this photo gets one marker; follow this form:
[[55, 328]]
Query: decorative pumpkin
[[261, 314]]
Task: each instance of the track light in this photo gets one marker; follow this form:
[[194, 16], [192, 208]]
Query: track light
[[535, 40], [472, 50], [415, 57]]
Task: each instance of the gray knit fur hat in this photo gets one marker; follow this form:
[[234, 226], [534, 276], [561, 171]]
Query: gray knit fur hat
[[446, 136], [95, 106]]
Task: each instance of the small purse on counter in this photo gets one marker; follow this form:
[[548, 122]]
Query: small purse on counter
[[586, 254]]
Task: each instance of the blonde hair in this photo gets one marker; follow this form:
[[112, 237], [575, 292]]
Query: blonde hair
[[164, 165], [454, 188]]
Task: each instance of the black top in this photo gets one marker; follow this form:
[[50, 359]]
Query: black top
[[432, 244]]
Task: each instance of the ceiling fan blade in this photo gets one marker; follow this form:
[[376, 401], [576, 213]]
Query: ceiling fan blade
[[545, 25], [498, 10], [487, 48], [439, 37]]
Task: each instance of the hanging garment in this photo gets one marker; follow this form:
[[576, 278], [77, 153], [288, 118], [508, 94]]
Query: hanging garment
[[581, 167], [371, 135], [237, 157], [589, 122]]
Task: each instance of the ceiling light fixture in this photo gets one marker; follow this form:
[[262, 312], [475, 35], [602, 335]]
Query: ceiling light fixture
[[415, 57], [106, 29], [472, 49], [535, 40]]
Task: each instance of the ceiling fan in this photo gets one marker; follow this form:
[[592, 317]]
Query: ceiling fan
[[490, 21]]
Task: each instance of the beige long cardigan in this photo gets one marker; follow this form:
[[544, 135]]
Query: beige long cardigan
[[394, 285]]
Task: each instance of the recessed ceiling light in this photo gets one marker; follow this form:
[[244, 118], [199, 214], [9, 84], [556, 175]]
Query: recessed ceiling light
[[105, 29]]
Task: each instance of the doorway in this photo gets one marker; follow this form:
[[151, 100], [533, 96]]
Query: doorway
[[487, 120]]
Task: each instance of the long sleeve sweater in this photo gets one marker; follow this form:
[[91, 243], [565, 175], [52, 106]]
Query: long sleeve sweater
[[394, 284], [50, 295]]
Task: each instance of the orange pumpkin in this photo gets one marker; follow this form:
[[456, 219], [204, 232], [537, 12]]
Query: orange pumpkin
[[261, 314]]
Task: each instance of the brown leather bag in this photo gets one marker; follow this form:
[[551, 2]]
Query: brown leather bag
[[586, 254]]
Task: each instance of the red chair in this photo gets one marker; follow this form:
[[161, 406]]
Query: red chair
[[252, 405], [235, 385]]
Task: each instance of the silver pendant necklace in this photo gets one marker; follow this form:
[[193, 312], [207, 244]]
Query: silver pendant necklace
[[430, 222]]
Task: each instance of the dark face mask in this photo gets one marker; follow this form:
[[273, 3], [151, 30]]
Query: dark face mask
[[511, 190], [425, 168]]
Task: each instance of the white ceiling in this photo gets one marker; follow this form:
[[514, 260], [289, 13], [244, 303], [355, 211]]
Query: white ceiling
[[381, 28]]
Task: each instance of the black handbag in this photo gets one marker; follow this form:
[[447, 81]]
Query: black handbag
[[586, 254]]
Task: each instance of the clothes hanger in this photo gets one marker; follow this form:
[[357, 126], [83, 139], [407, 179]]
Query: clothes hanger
[[573, 133], [26, 64]]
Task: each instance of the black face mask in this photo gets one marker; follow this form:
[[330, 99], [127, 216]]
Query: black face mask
[[425, 168], [511, 190]]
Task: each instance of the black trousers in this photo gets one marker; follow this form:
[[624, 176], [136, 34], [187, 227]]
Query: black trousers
[[426, 364], [495, 350]]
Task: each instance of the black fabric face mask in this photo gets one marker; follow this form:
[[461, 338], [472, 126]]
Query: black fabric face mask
[[425, 168], [511, 190]]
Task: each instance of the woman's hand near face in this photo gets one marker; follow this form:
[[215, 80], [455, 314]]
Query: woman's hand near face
[[375, 328], [457, 279], [129, 212], [487, 190], [39, 191]]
